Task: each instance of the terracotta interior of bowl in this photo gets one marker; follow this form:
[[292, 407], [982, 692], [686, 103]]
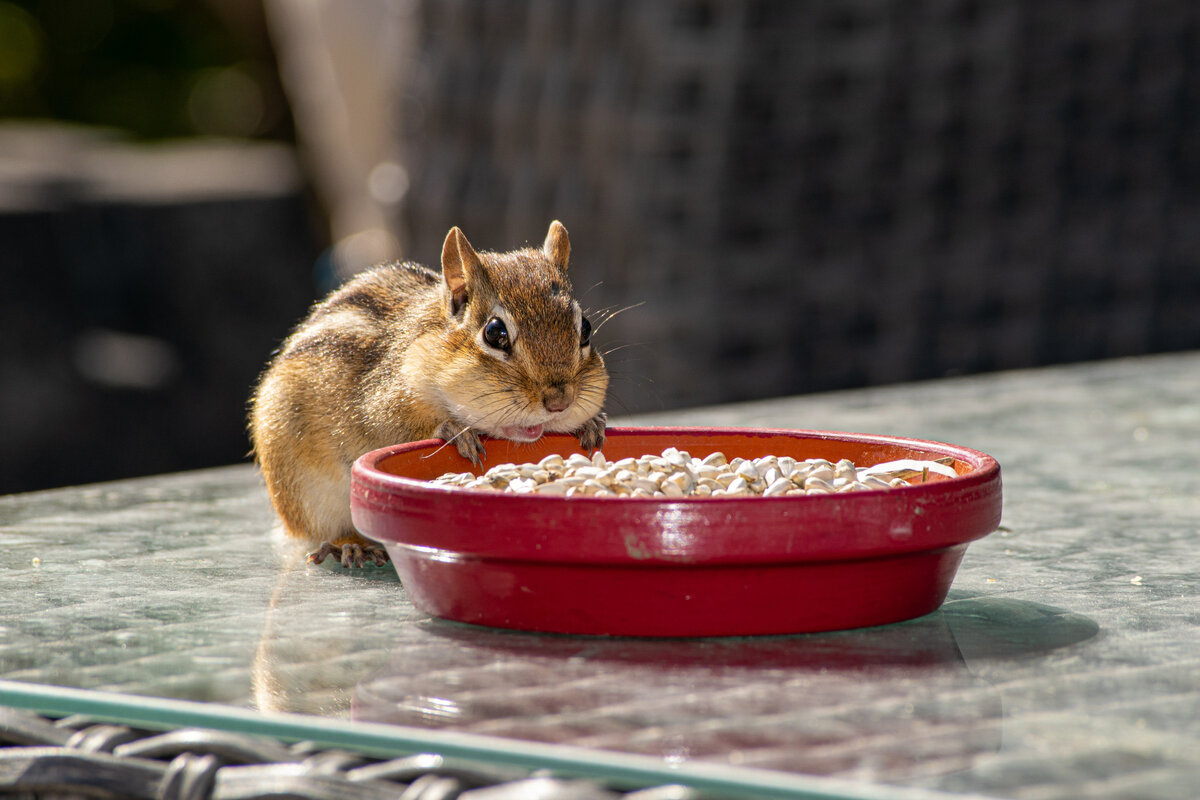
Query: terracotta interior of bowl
[[428, 460]]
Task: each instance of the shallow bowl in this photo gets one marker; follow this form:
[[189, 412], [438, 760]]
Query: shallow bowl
[[692, 566]]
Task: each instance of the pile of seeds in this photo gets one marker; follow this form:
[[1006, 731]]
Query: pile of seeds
[[675, 473]]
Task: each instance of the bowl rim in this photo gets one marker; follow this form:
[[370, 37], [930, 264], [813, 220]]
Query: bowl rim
[[982, 466], [413, 514]]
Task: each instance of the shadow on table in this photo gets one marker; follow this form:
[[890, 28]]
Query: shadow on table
[[1001, 627]]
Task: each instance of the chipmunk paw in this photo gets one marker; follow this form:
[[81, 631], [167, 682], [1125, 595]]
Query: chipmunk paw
[[350, 554], [591, 435], [467, 441]]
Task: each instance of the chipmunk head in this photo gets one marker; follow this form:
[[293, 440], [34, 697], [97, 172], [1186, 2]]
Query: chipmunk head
[[531, 365]]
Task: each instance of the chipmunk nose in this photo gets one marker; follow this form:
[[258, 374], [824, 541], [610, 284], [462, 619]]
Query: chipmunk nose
[[557, 397]]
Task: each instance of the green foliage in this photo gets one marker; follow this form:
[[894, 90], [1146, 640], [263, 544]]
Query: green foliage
[[153, 68]]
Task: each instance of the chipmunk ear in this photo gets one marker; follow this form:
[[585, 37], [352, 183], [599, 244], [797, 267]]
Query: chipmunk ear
[[557, 247], [460, 265]]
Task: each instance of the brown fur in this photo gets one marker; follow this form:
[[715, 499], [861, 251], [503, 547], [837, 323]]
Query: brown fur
[[395, 355]]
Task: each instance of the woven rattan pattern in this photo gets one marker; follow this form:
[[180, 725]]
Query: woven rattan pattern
[[817, 195], [73, 755]]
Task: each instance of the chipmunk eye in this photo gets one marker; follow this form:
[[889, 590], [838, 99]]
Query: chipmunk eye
[[585, 332], [496, 334]]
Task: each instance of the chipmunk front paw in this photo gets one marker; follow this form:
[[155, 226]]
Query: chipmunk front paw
[[591, 435], [467, 441]]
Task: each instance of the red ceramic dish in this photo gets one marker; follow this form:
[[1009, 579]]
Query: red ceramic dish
[[700, 566]]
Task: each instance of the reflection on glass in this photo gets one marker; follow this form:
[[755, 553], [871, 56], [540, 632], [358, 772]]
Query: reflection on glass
[[834, 703]]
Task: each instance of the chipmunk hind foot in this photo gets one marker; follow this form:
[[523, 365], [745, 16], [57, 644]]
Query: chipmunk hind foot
[[352, 551]]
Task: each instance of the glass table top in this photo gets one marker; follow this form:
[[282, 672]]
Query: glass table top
[[1065, 663]]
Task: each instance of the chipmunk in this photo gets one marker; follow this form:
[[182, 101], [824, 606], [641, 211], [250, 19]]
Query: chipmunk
[[495, 345]]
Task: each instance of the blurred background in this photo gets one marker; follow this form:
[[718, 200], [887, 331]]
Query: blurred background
[[787, 197]]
